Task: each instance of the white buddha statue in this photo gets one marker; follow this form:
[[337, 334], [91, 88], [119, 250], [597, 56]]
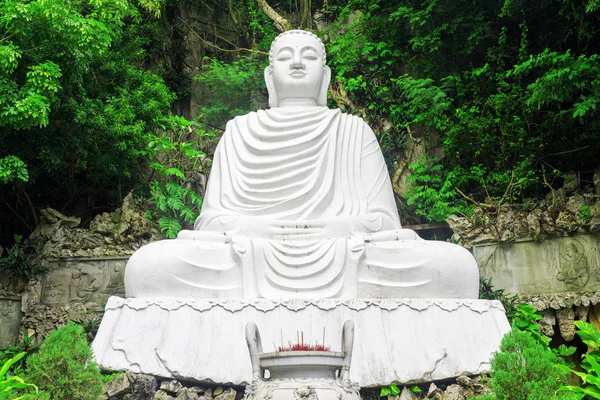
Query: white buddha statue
[[299, 204]]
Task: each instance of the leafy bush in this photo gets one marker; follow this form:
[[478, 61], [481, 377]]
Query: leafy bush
[[64, 368], [591, 364], [16, 264], [389, 390], [230, 88], [8, 385], [179, 167], [28, 346], [487, 292], [433, 192], [497, 98], [75, 104], [524, 369], [525, 319]]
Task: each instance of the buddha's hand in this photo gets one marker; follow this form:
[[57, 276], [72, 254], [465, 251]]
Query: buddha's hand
[[310, 229], [271, 228]]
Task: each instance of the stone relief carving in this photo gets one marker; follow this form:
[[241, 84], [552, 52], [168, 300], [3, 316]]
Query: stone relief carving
[[83, 281], [552, 266], [305, 393], [10, 315], [573, 265]]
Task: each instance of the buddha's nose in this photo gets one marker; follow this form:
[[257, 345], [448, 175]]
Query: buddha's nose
[[297, 62]]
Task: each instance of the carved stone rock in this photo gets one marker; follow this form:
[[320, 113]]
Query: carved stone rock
[[111, 234], [406, 394], [171, 387], [455, 392], [10, 315], [162, 395], [565, 317], [561, 265], [83, 280], [119, 386], [143, 387], [547, 322], [228, 394], [186, 394]]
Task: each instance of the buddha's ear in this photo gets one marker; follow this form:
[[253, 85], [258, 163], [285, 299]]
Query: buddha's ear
[[322, 100], [273, 100]]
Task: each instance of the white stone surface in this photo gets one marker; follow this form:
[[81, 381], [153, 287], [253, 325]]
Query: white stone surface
[[396, 340], [299, 204]]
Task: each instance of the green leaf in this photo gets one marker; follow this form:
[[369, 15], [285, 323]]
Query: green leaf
[[169, 226], [6, 366], [174, 171]]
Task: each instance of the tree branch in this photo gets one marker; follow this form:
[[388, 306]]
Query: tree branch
[[210, 44], [281, 24]]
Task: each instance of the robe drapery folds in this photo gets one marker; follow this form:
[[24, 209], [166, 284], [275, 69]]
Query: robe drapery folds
[[299, 204], [298, 165], [297, 189]]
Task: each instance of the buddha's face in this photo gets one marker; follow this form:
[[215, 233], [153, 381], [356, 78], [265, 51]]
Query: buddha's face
[[297, 69]]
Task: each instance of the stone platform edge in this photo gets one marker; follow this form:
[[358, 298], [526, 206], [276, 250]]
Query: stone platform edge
[[405, 340]]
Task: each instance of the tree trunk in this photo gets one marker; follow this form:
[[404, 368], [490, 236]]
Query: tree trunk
[[305, 15], [281, 24]]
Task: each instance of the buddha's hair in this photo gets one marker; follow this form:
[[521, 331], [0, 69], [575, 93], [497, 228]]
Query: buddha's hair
[[297, 32]]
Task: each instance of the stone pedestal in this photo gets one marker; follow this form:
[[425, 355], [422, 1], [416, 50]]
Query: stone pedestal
[[396, 340]]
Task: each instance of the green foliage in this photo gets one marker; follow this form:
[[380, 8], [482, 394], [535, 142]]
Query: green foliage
[[487, 292], [28, 346], [64, 368], [76, 107], [498, 97], [230, 88], [591, 364], [390, 390], [524, 369], [524, 320], [9, 384], [16, 264], [110, 376], [179, 167], [12, 169], [584, 213], [91, 326], [433, 192]]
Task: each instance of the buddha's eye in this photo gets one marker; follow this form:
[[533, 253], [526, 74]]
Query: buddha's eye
[[284, 57], [310, 56]]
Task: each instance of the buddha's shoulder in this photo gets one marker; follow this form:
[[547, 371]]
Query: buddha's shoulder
[[294, 114], [279, 112]]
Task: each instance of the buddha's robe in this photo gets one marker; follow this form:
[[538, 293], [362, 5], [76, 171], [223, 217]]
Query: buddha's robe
[[299, 204]]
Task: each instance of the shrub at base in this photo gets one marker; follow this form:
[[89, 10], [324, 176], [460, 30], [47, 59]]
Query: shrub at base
[[63, 367], [524, 369]]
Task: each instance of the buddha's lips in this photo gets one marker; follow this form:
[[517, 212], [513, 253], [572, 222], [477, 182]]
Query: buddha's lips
[[297, 73]]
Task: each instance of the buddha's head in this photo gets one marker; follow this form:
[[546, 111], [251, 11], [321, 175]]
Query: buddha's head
[[297, 69]]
